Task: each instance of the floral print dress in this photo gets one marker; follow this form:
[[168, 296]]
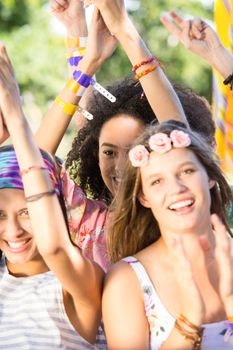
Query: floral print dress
[[161, 322]]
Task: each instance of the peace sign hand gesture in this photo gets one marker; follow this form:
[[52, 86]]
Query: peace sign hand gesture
[[195, 34]]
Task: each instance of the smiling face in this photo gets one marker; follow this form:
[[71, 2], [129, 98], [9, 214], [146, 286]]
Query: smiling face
[[16, 238], [116, 135], [176, 187]]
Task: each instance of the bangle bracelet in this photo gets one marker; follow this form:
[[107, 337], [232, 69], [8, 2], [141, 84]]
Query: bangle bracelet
[[84, 80], [75, 41], [35, 197], [33, 167], [148, 70], [149, 60]]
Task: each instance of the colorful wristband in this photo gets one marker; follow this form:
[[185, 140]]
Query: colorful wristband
[[74, 60], [68, 108], [75, 87], [86, 81], [75, 42]]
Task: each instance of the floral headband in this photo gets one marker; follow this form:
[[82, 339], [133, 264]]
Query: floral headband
[[160, 143]]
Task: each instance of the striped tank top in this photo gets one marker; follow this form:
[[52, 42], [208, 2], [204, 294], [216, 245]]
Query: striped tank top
[[33, 317]]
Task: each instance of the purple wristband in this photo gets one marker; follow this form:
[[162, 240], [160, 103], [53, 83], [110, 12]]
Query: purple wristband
[[230, 325], [74, 60], [82, 79]]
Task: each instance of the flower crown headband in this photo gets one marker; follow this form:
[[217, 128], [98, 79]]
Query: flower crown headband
[[160, 143]]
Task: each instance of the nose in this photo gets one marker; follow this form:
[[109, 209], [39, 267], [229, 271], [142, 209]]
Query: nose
[[176, 185], [120, 162], [13, 228]]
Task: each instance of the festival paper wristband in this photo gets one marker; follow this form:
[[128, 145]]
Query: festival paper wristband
[[70, 109], [75, 42], [75, 87], [86, 81]]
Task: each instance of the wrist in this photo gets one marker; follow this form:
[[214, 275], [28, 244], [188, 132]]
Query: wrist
[[78, 28], [222, 61]]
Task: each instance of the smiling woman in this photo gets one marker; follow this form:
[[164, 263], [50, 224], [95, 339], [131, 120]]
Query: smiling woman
[[172, 244]]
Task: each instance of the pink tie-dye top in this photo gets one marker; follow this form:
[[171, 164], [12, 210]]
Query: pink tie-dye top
[[86, 221]]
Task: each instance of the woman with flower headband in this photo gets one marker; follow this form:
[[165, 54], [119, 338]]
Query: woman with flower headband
[[50, 295], [173, 288]]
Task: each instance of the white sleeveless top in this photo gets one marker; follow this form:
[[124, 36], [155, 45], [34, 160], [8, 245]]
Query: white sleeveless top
[[33, 317], [161, 322]]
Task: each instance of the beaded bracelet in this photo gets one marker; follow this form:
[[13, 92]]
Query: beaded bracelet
[[86, 81], [149, 60], [35, 197], [146, 71], [229, 81], [75, 42], [32, 167]]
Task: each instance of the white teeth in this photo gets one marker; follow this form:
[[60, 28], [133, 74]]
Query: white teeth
[[16, 245], [181, 204]]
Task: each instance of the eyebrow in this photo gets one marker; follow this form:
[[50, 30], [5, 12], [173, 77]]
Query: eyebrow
[[108, 145], [159, 174]]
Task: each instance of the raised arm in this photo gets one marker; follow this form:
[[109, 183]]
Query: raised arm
[[100, 46], [81, 279], [201, 39], [156, 86]]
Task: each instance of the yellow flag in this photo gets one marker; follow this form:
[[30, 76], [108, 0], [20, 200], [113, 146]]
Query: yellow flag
[[222, 95]]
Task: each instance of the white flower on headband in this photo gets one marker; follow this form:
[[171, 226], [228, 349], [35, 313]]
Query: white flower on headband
[[139, 156], [160, 143], [180, 139]]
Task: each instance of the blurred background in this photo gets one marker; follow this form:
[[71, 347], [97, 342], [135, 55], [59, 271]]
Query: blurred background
[[35, 42]]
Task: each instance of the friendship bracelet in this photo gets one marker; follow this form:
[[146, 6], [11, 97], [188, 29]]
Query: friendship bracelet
[[148, 70], [149, 60], [70, 109], [33, 167], [75, 41], [86, 81], [35, 197]]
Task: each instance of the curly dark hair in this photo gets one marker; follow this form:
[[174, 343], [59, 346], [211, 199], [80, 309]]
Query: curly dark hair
[[82, 159]]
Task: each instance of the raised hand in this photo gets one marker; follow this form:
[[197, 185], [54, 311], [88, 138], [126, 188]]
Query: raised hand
[[112, 11], [10, 100], [196, 35], [69, 13], [192, 305], [101, 44]]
